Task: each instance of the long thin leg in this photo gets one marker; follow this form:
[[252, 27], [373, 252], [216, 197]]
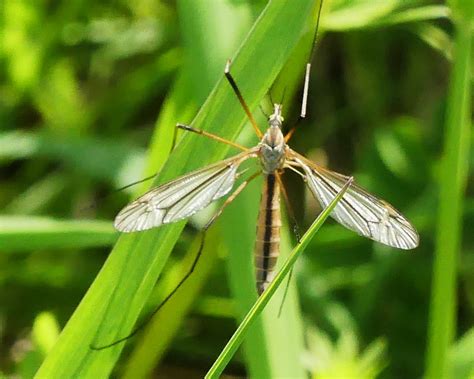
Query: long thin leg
[[135, 183], [296, 230], [114, 191], [290, 275], [304, 101], [230, 199], [239, 189], [189, 129], [233, 84], [173, 143], [165, 300], [210, 135], [289, 208]]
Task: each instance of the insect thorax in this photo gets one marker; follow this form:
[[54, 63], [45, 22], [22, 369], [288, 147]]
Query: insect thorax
[[272, 150]]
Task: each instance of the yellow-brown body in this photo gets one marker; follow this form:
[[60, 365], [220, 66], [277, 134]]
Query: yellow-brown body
[[272, 152], [267, 245]]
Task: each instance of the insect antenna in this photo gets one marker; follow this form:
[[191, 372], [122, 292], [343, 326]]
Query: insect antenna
[[271, 97], [283, 95], [263, 111]]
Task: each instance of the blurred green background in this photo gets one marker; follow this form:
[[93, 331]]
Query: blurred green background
[[89, 96]]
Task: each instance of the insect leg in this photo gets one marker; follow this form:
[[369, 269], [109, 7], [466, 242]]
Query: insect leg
[[210, 135], [289, 208], [148, 318], [292, 168], [287, 286], [114, 191], [230, 199], [296, 230], [304, 101], [233, 84]]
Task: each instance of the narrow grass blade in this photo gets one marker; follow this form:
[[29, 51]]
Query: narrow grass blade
[[452, 186], [369, 14], [422, 13], [235, 341]]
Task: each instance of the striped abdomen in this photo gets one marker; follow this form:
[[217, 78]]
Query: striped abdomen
[[267, 247]]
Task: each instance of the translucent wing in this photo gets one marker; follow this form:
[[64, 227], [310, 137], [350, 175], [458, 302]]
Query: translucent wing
[[358, 210], [180, 198]]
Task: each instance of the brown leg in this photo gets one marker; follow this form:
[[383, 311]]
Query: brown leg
[[230, 199], [233, 84], [289, 208], [304, 101], [210, 135]]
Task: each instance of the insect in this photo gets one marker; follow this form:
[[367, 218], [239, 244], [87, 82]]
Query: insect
[[179, 199]]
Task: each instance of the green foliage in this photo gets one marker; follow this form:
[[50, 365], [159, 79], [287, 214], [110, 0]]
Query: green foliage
[[342, 358], [90, 93], [453, 179]]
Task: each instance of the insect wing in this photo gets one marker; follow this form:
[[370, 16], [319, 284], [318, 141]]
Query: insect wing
[[358, 210], [180, 198]]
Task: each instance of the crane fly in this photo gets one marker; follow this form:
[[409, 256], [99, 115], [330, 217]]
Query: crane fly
[[182, 197], [358, 210]]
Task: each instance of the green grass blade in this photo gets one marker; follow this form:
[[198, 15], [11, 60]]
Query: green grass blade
[[115, 299], [99, 158], [237, 338], [452, 186], [28, 233], [369, 14], [422, 13]]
